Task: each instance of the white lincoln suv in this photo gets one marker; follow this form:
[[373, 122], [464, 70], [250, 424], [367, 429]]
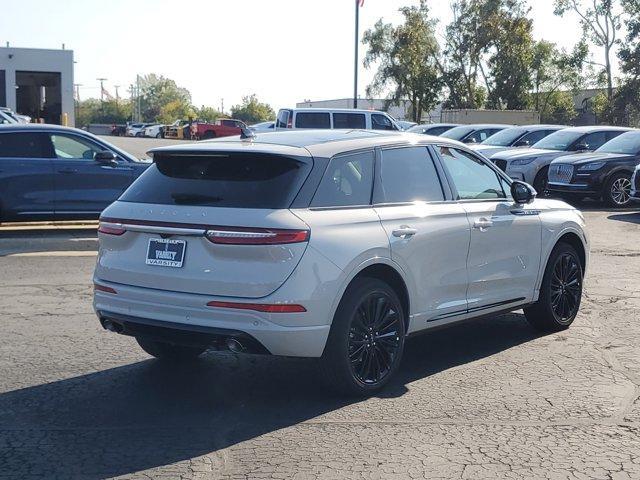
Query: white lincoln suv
[[335, 244]]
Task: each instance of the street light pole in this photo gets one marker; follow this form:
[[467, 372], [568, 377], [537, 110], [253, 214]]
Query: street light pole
[[355, 63]]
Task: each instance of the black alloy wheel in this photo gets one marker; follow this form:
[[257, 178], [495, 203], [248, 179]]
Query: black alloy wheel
[[560, 292], [566, 287], [374, 338], [366, 340]]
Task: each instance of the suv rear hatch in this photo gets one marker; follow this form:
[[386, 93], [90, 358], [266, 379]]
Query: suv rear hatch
[[215, 223]]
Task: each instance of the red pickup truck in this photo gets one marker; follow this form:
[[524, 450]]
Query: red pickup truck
[[224, 127]]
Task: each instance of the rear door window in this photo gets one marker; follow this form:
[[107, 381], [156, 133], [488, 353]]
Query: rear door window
[[25, 145], [408, 175], [348, 181], [238, 180], [349, 120], [593, 140], [313, 120], [381, 122], [534, 137]]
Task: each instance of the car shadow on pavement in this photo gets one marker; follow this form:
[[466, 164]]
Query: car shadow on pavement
[[147, 414], [633, 217]]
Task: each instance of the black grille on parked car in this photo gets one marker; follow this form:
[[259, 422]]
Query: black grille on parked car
[[561, 173]]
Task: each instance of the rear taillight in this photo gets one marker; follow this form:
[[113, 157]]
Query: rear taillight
[[261, 307], [255, 236], [110, 229], [103, 288]]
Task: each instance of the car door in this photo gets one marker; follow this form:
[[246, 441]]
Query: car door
[[26, 174], [84, 185], [505, 243], [428, 236]]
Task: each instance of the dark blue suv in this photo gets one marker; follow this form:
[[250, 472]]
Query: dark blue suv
[[49, 172]]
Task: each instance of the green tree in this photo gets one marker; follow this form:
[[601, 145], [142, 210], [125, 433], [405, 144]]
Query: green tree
[[555, 70], [252, 111], [157, 93], [174, 110], [559, 108], [626, 102], [405, 55], [511, 57], [601, 22], [208, 114], [93, 110]]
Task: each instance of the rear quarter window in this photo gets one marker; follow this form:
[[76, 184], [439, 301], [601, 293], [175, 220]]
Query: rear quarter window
[[25, 145], [237, 180], [349, 120], [348, 181]]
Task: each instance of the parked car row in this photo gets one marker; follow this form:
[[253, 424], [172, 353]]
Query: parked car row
[[570, 162]]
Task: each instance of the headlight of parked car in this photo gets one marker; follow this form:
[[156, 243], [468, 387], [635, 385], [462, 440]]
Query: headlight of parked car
[[590, 167], [523, 161]]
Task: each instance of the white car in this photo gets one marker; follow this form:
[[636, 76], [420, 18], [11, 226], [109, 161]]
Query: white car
[[263, 127], [334, 244], [7, 116], [331, 118], [153, 131], [136, 129]]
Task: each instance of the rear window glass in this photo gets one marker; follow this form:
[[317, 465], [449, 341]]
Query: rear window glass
[[25, 145], [348, 181], [236, 180], [312, 120], [349, 120]]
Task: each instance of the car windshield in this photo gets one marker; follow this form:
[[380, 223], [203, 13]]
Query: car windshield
[[561, 140], [458, 133], [505, 138], [627, 143]]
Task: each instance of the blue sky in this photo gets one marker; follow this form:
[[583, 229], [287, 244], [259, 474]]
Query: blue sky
[[282, 50]]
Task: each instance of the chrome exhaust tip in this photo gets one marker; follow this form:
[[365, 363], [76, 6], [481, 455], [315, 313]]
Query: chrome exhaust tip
[[234, 345]]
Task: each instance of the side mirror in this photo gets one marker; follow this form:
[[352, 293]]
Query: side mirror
[[522, 192], [105, 156], [521, 143], [582, 147]]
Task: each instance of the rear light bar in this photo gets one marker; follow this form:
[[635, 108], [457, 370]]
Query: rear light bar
[[255, 236], [261, 307], [109, 229], [103, 288]]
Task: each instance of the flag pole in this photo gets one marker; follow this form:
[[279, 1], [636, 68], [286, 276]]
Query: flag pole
[[355, 63]]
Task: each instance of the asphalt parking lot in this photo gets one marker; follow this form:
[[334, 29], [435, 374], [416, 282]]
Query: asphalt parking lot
[[488, 399], [138, 147]]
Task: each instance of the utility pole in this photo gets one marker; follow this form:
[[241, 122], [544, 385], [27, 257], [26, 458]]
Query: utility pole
[[358, 4], [117, 97], [101, 80], [138, 102], [222, 105], [77, 102]]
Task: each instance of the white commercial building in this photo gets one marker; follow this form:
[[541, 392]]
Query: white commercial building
[[38, 83]]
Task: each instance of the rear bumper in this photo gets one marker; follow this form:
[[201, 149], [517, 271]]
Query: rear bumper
[[185, 318]]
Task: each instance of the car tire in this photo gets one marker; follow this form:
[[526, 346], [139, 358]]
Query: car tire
[[541, 182], [158, 135], [617, 190], [208, 135], [560, 292], [366, 341], [169, 351]]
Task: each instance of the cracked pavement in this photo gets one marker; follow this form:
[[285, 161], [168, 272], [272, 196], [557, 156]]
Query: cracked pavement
[[482, 400]]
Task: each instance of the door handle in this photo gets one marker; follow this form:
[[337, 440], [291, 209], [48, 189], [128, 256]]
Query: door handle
[[68, 170], [404, 232], [482, 224]]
